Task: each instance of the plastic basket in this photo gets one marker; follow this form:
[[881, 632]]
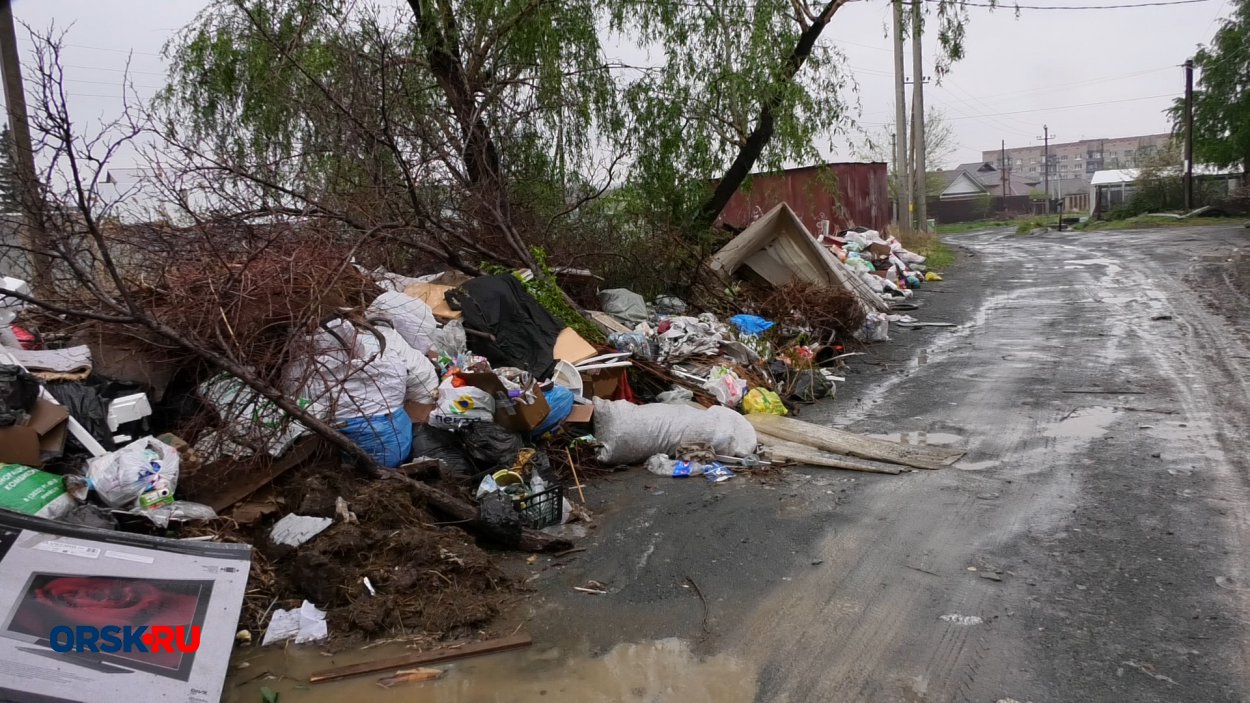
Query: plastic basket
[[542, 509]]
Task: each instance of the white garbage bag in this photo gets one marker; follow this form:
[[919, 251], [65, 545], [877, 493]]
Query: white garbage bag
[[120, 477], [411, 317], [630, 433]]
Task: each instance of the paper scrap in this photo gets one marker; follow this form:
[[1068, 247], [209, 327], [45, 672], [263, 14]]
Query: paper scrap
[[307, 624], [294, 530]]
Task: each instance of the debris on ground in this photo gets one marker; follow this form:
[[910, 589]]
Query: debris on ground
[[479, 411]]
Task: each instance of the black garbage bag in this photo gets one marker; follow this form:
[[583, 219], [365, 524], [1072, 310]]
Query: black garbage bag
[[442, 445], [500, 521], [491, 446], [87, 406], [809, 386], [18, 391], [506, 324]]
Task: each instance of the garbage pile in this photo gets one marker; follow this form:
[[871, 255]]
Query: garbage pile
[[482, 408]]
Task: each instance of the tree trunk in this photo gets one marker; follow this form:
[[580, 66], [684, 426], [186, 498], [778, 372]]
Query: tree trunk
[[759, 137]]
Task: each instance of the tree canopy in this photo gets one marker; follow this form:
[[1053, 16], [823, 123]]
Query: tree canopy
[[1222, 95]]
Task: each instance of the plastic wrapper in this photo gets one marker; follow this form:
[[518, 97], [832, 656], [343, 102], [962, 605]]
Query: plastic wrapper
[[18, 391]]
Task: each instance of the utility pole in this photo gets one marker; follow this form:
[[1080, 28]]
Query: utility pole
[[1046, 163], [1189, 134], [1002, 165], [903, 194], [23, 156], [897, 173], [917, 107]]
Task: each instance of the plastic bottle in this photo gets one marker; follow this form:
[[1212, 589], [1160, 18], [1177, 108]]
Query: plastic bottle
[[662, 465]]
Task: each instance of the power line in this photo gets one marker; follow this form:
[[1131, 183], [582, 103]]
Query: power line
[[1129, 6]]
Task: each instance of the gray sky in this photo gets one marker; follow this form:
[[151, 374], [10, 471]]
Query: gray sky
[[1099, 73]]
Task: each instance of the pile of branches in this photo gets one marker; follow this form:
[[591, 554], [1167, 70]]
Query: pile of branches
[[246, 297], [826, 311]]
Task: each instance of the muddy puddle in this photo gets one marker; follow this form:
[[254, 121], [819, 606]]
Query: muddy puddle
[[648, 672]]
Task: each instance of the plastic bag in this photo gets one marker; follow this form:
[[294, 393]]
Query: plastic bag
[[810, 386], [412, 318], [490, 445], [433, 443], [345, 373], [762, 400], [87, 406], [630, 433], [677, 396], [726, 386], [876, 328], [387, 438], [18, 391], [459, 406], [625, 305], [120, 477], [560, 400], [751, 324], [450, 340]]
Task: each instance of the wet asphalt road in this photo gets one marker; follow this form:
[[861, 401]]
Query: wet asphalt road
[[1090, 547]]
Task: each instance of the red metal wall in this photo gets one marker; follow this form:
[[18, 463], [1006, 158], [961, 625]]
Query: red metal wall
[[860, 197]]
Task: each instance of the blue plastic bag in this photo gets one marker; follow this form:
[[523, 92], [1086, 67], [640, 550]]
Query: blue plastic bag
[[386, 438], [751, 324], [560, 399]]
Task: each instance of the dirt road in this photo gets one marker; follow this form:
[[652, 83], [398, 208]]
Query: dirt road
[[1090, 547]]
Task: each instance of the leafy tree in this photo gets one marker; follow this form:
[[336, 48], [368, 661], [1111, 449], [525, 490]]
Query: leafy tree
[[1222, 95]]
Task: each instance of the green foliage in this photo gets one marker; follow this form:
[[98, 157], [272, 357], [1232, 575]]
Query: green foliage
[[547, 292], [1222, 95], [1160, 184], [1030, 225]]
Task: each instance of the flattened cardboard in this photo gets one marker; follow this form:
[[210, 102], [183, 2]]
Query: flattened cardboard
[[571, 347], [601, 383], [880, 250], [581, 414], [432, 294], [43, 436], [511, 413]]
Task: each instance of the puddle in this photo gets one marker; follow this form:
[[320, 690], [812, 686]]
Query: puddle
[[976, 465], [648, 672], [920, 437], [1085, 423]]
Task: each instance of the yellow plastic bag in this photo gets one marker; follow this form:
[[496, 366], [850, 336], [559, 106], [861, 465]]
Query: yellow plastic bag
[[931, 276], [762, 400]]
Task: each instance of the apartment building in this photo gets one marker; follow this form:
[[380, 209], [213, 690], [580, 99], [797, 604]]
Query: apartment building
[[1077, 159]]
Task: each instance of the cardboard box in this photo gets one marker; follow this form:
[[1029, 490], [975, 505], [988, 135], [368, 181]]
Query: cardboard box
[[581, 414], [601, 383], [571, 347], [511, 413], [44, 436]]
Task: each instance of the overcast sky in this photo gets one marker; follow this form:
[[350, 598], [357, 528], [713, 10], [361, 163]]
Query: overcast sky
[[1086, 74]]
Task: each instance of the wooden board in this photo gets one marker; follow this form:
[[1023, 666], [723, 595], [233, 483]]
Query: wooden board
[[842, 442], [442, 654], [230, 493], [789, 451]]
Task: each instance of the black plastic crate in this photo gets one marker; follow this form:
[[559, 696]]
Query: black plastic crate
[[541, 509]]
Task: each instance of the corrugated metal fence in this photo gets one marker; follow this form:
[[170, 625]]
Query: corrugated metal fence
[[845, 194]]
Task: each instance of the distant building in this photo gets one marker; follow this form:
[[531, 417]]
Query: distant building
[[1077, 159], [982, 179]]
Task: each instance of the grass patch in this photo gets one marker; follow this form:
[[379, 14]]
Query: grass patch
[[937, 255], [1148, 222], [1029, 225], [962, 227]]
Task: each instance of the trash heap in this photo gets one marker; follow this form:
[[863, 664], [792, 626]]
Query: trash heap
[[485, 411]]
